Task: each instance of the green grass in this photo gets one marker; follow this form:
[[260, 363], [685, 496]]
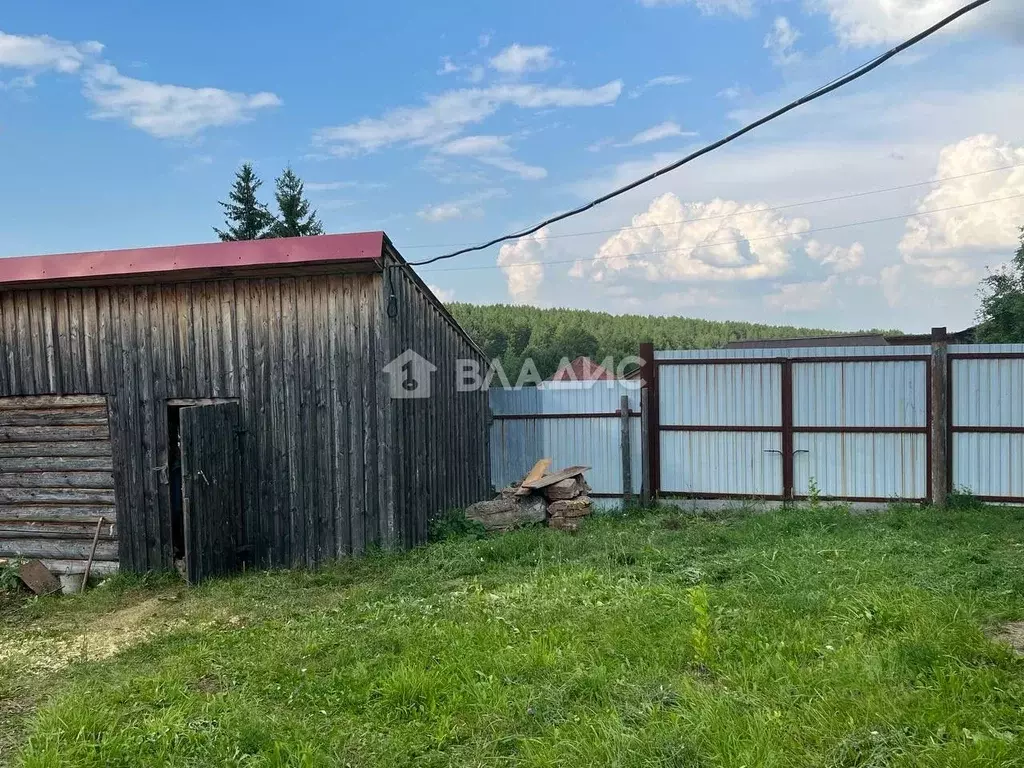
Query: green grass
[[798, 638]]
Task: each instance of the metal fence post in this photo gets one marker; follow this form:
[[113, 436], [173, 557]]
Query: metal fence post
[[939, 418], [645, 452]]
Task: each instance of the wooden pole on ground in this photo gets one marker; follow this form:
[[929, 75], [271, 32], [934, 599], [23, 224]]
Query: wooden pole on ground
[[92, 554]]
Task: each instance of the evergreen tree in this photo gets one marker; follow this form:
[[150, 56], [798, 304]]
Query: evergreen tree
[[294, 219], [1002, 303], [246, 218]]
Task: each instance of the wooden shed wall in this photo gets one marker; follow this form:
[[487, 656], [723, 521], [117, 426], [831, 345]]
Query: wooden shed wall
[[303, 355], [440, 443]]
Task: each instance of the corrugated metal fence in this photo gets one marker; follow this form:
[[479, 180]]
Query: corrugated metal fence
[[573, 424], [986, 417], [845, 422], [851, 423]]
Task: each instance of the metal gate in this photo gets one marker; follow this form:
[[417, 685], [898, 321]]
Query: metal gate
[[852, 426], [211, 489], [986, 421]]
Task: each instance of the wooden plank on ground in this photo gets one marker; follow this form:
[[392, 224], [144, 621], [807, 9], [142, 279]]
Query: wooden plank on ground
[[38, 578], [60, 567], [557, 477], [535, 474]]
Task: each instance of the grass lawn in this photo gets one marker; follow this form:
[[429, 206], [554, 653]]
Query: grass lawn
[[797, 638]]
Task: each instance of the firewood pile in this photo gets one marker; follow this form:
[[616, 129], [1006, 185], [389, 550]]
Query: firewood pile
[[558, 499]]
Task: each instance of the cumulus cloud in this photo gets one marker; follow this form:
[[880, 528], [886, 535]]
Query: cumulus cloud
[[738, 7], [871, 22], [659, 82], [717, 240], [519, 59], [168, 111], [447, 66], [837, 258], [518, 261], [659, 132], [944, 242], [444, 295], [781, 40], [42, 53], [446, 115], [802, 297]]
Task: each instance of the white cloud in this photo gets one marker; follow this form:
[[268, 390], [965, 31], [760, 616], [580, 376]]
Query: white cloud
[[464, 208], [168, 111], [493, 151], [519, 59], [447, 66], [802, 297], [837, 258], [872, 22], [780, 42], [892, 288], [444, 295], [483, 40], [446, 115], [476, 145], [659, 82], [659, 132], [717, 240], [518, 262], [43, 53], [937, 240], [738, 7]]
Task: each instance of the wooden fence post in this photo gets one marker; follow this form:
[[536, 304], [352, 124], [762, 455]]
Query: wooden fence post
[[627, 452], [650, 417], [939, 418], [645, 453]]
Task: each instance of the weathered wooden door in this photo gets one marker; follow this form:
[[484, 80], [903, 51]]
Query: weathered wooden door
[[210, 489]]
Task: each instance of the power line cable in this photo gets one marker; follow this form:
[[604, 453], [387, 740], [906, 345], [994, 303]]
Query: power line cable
[[702, 246], [834, 85], [769, 209]]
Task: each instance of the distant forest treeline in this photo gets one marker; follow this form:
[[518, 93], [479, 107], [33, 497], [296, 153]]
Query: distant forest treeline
[[514, 333]]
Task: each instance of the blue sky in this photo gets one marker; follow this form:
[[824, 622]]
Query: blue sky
[[444, 123]]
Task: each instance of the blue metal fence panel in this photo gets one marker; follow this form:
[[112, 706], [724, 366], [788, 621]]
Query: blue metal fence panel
[[988, 393], [721, 395], [851, 394], [864, 466], [990, 465], [516, 444], [722, 463]]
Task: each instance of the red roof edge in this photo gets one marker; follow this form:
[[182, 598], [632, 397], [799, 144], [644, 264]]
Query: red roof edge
[[582, 369], [359, 246]]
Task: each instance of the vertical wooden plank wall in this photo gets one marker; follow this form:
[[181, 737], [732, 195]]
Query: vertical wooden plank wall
[[304, 355], [439, 443]]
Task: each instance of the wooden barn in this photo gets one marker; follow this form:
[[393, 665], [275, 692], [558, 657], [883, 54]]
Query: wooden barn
[[230, 403]]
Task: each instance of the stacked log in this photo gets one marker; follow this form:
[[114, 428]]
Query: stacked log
[[559, 499]]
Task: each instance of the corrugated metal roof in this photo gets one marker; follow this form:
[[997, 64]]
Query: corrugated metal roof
[[361, 246]]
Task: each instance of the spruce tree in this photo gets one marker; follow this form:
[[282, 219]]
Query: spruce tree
[[294, 217], [246, 218]]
